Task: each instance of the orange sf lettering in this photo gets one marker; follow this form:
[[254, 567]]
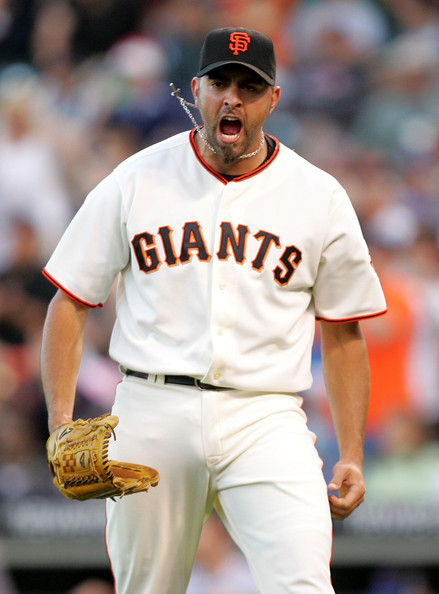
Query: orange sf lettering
[[239, 42]]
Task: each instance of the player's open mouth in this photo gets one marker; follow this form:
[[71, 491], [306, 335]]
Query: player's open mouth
[[230, 129]]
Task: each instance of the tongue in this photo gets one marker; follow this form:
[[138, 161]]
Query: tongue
[[230, 128]]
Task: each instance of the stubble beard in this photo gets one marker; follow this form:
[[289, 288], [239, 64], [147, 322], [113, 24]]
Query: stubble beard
[[226, 152], [227, 155]]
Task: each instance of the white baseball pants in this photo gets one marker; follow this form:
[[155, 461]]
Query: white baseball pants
[[250, 455]]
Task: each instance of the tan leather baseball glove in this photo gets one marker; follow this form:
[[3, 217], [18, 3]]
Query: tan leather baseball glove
[[77, 453]]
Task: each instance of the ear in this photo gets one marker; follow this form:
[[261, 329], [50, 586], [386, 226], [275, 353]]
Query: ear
[[275, 96], [195, 85]]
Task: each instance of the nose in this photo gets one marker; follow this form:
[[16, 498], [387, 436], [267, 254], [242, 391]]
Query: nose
[[232, 96]]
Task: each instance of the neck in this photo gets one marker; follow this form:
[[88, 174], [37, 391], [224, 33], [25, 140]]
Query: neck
[[239, 166]]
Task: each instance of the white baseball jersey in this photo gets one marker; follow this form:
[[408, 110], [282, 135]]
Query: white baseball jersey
[[218, 280]]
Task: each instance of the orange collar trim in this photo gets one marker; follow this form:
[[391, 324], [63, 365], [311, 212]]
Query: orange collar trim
[[238, 178]]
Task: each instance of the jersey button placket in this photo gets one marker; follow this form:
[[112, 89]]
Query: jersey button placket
[[220, 323], [222, 297]]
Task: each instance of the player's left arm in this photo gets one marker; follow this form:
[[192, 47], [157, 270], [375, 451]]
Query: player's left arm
[[347, 380]]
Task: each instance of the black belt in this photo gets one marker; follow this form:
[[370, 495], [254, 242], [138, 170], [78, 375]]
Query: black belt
[[182, 380]]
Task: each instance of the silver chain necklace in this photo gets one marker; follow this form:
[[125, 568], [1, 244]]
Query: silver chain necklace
[[200, 129]]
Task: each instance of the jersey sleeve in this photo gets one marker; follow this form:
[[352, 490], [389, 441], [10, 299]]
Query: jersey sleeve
[[347, 286], [93, 249]]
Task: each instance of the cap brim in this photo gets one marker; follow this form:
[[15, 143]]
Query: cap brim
[[215, 65]]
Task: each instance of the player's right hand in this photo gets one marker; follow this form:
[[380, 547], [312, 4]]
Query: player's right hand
[[347, 480]]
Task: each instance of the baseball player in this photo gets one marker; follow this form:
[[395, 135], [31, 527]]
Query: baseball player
[[227, 246]]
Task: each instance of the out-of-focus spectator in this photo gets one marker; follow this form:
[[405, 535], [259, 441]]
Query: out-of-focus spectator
[[268, 16], [419, 18], [31, 184], [335, 41], [180, 27], [400, 114], [361, 22], [101, 24], [52, 35], [16, 25], [390, 342], [146, 106], [220, 567], [24, 296]]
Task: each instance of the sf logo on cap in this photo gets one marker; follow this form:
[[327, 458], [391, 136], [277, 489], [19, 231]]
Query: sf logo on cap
[[239, 42]]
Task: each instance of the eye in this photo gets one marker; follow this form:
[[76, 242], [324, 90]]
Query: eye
[[218, 84], [253, 87]]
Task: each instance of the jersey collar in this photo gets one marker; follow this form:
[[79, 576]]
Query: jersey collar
[[238, 178]]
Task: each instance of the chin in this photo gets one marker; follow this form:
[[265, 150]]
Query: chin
[[229, 155]]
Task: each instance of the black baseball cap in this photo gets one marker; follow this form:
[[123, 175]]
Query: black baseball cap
[[239, 46]]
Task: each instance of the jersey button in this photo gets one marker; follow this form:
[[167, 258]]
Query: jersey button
[[220, 331], [222, 285], [216, 375]]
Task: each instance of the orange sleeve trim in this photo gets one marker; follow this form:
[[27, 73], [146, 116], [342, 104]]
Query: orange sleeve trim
[[353, 319], [68, 293]]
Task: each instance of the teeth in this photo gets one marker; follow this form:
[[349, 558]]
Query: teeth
[[234, 119]]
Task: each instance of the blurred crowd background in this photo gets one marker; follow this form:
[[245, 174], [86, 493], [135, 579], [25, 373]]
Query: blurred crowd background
[[85, 83]]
